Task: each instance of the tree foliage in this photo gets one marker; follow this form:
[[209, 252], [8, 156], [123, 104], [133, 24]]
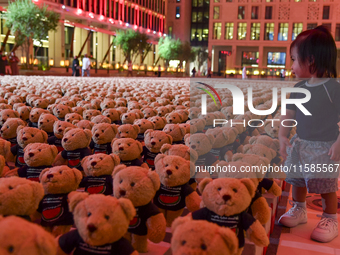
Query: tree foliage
[[169, 49]]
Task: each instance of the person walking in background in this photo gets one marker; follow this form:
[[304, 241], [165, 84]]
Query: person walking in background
[[159, 70], [244, 73], [86, 66], [14, 60], [75, 66], [193, 72], [7, 66], [2, 65], [130, 68], [209, 73]]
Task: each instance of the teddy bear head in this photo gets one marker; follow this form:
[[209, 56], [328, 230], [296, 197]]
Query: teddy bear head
[[88, 114], [100, 119], [27, 135], [159, 122], [201, 237], [40, 103], [104, 133], [260, 150], [107, 104], [154, 140], [137, 184], [252, 159], [7, 113], [201, 143], [111, 113], [59, 128], [188, 128], [173, 170], [5, 149], [265, 140], [78, 109], [60, 179], [176, 131], [46, 121], [40, 154], [143, 125], [70, 117], [198, 123], [19, 196], [100, 219], [194, 112], [223, 135], [228, 112], [30, 238], [24, 112], [227, 196], [209, 118], [179, 150], [149, 112], [9, 128], [128, 117], [161, 111], [76, 138], [60, 110], [99, 164], [272, 128], [126, 148], [35, 114], [128, 131], [173, 118], [83, 124]]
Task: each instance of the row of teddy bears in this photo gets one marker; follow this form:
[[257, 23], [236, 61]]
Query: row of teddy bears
[[64, 147]]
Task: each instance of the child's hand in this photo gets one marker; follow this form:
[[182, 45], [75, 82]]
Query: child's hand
[[284, 142], [334, 151]]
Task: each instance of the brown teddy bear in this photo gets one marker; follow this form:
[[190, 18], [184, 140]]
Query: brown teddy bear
[[129, 151], [154, 139], [45, 122], [70, 117], [149, 112], [7, 113], [100, 119], [129, 117], [83, 124], [60, 110], [101, 223], [102, 136], [37, 156], [226, 201], [98, 169], [19, 197], [202, 237], [88, 114], [143, 125], [76, 143], [113, 114], [35, 115], [176, 131], [25, 136], [158, 121], [179, 150], [58, 131], [175, 193], [24, 112], [128, 131], [19, 236], [139, 185], [57, 182], [260, 150], [5, 153], [173, 118], [9, 129], [198, 123]]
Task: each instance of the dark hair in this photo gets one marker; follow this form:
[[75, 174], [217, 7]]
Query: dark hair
[[317, 48]]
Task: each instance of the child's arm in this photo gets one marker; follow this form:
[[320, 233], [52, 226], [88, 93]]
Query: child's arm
[[334, 151], [284, 131]]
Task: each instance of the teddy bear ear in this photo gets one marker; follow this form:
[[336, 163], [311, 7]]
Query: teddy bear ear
[[82, 162], [75, 197], [75, 122], [140, 146], [147, 132], [19, 128], [203, 184], [119, 112], [182, 129], [113, 140], [273, 153], [154, 177], [246, 148], [69, 109], [180, 116], [166, 115], [165, 148], [203, 121], [276, 144], [178, 222], [192, 168], [78, 176], [43, 172], [164, 120], [127, 207], [16, 114], [67, 129], [249, 185], [117, 169], [136, 128], [44, 135], [211, 138], [114, 128], [229, 238], [252, 140], [153, 125], [186, 137], [115, 158], [192, 154], [237, 156], [159, 157], [88, 134]]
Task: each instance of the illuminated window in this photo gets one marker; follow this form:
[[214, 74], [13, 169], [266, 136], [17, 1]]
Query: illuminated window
[[255, 31], [229, 31], [178, 15], [241, 31], [241, 12], [217, 30], [297, 29], [254, 12], [283, 32], [216, 12], [269, 32]]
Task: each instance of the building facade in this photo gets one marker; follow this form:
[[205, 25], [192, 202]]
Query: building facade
[[88, 27]]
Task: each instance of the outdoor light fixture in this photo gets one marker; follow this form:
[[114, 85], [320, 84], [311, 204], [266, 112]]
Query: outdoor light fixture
[[136, 27], [154, 32], [51, 62], [63, 7], [91, 15], [79, 11], [101, 17], [111, 21], [127, 24], [62, 63]]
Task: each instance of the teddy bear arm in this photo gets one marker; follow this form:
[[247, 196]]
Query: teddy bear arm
[[257, 234], [59, 160], [156, 228], [10, 157], [145, 165], [260, 210], [228, 156], [193, 201], [275, 189], [7, 172]]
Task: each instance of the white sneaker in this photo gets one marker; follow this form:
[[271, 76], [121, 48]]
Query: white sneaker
[[295, 216], [326, 230]]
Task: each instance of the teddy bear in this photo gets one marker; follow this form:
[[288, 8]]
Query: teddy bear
[[9, 129], [101, 222], [88, 114], [129, 151], [78, 109], [188, 128], [7, 113], [113, 114], [149, 112], [209, 120], [45, 122], [76, 143], [58, 131], [260, 150], [129, 117], [194, 113], [107, 104], [5, 153], [19, 197], [226, 201], [100, 119], [179, 150], [139, 185], [102, 136], [98, 169], [83, 124], [70, 117], [154, 139], [143, 125], [40, 103], [176, 132], [198, 123], [201, 237], [18, 236], [25, 136], [175, 192], [225, 145], [128, 131], [60, 110], [57, 182], [174, 118], [161, 111], [24, 112], [159, 122], [35, 115]]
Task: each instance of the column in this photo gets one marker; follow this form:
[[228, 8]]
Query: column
[[57, 44]]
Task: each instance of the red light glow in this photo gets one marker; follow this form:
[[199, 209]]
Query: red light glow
[[79, 11], [101, 17], [91, 15]]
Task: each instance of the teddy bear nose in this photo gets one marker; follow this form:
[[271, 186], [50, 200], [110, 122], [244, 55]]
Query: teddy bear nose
[[193, 146], [65, 140], [60, 130], [91, 228], [93, 163], [49, 176], [41, 123], [97, 135], [121, 148], [24, 138], [153, 143], [170, 121], [168, 172], [122, 192], [226, 197], [31, 154]]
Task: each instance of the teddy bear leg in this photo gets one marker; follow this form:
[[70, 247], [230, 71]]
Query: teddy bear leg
[[193, 185], [171, 216], [140, 243], [260, 210], [128, 236], [257, 234], [60, 230], [156, 228]]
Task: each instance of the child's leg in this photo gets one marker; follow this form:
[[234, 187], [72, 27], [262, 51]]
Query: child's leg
[[330, 204], [299, 194]]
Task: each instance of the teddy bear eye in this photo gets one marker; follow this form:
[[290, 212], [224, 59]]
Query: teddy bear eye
[[203, 247], [120, 181], [10, 187], [170, 130], [166, 165], [59, 125], [7, 126], [235, 190], [39, 150], [10, 249], [176, 167], [215, 136], [72, 134], [219, 189], [101, 158], [183, 242], [32, 135], [129, 144], [264, 155], [89, 214], [7, 115], [60, 172], [132, 184]]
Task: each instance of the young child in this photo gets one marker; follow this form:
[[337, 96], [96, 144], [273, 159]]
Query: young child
[[317, 142]]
